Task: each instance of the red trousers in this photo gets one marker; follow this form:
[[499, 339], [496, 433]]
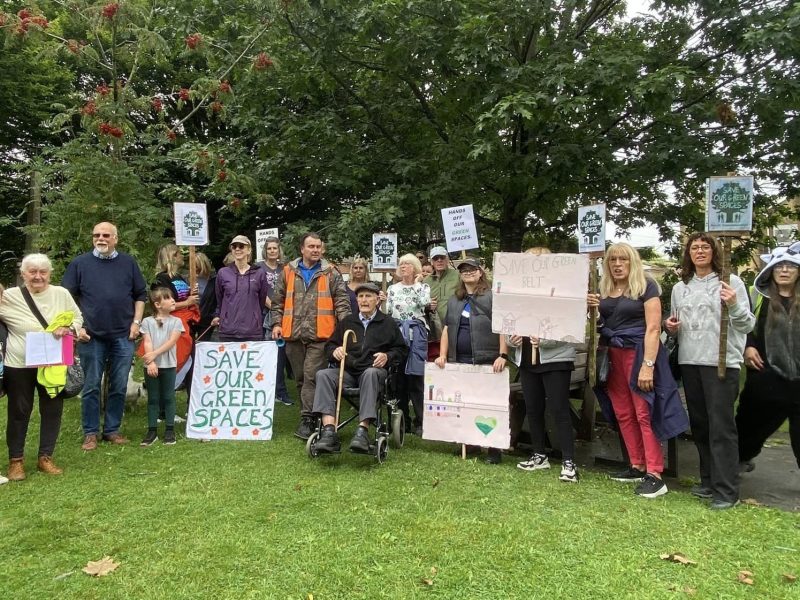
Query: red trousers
[[633, 413]]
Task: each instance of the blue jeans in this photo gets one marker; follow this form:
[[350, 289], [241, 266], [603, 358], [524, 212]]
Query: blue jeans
[[117, 353]]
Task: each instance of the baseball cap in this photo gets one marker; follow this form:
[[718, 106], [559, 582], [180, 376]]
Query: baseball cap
[[470, 262], [438, 251], [240, 239]]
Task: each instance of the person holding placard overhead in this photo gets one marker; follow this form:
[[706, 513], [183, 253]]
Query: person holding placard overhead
[[467, 336], [642, 392], [23, 309], [696, 311]]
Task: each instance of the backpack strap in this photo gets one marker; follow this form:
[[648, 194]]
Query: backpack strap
[[34, 309]]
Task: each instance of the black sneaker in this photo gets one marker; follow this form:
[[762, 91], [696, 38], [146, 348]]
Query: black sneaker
[[307, 425], [723, 504], [169, 438], [701, 491], [328, 441], [629, 475], [651, 487], [360, 442], [287, 401], [149, 439]]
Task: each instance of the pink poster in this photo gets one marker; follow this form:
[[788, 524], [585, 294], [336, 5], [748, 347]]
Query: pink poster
[[466, 404]]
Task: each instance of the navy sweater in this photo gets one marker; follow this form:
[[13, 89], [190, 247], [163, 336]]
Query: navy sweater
[[105, 290]]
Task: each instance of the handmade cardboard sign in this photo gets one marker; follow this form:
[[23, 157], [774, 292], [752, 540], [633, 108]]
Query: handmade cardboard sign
[[191, 224], [233, 391], [459, 228], [592, 228], [540, 295], [262, 235], [729, 204], [466, 404], [384, 251]]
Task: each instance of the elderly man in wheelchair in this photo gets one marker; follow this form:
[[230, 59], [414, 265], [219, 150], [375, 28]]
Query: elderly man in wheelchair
[[369, 343]]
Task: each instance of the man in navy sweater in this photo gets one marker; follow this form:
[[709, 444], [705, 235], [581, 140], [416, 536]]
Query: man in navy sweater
[[111, 292]]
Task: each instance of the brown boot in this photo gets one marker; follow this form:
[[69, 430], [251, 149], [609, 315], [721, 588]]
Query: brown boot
[[89, 442], [16, 469], [46, 465]]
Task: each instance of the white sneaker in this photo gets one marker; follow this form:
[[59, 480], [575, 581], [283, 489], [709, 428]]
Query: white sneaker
[[179, 419], [569, 472], [535, 463], [3, 480]]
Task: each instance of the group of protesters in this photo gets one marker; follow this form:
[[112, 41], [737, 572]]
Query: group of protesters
[[443, 316]]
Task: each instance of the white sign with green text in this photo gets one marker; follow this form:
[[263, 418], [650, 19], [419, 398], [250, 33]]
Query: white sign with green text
[[233, 391]]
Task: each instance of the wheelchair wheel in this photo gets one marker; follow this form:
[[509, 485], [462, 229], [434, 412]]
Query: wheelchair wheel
[[381, 449], [311, 445], [398, 429]]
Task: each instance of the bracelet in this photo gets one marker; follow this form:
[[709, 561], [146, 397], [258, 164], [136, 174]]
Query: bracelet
[[504, 355]]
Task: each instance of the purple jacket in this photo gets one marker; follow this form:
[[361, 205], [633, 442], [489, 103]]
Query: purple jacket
[[240, 300]]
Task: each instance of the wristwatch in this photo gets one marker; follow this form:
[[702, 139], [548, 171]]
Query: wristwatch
[[137, 322], [649, 363], [504, 355]]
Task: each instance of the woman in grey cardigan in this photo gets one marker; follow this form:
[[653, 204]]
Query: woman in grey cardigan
[[467, 335]]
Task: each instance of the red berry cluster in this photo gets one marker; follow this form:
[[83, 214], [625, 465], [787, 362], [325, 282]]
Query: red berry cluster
[[171, 135], [110, 10], [103, 90], [194, 40], [157, 105], [222, 175], [216, 107], [225, 87], [108, 129], [262, 61], [183, 94], [89, 109], [26, 19]]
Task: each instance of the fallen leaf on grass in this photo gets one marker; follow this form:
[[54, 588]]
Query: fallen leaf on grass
[[677, 557], [429, 580], [298, 487], [100, 568], [435, 482], [310, 597], [789, 577], [752, 502], [745, 577], [689, 591]]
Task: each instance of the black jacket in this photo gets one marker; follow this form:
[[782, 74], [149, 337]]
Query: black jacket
[[382, 335]]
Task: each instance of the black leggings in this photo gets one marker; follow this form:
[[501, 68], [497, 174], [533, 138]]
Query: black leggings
[[549, 388], [20, 385]]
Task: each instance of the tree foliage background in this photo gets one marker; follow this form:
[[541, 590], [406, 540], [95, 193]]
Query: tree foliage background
[[351, 116]]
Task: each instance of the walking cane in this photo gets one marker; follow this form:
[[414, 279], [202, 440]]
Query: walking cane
[[341, 375]]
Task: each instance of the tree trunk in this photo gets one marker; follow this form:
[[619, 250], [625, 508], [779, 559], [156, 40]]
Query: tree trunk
[[511, 227]]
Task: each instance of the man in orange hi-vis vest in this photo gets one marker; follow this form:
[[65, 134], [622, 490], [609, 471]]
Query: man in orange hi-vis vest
[[310, 298]]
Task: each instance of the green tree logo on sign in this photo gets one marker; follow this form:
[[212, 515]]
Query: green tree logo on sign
[[730, 202], [591, 226], [193, 223]]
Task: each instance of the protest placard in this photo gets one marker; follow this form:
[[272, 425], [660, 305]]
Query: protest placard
[[540, 295], [384, 251], [592, 228], [233, 391], [729, 204], [261, 238], [459, 228], [191, 224], [466, 404]]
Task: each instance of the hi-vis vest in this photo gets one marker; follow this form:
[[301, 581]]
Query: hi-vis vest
[[326, 318]]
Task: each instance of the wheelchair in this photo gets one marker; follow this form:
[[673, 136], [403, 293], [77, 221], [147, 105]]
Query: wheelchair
[[389, 424]]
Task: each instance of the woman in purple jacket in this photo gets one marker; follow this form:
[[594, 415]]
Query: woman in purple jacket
[[241, 295]]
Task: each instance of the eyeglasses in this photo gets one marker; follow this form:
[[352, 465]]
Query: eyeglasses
[[786, 266], [703, 248], [237, 246], [439, 258], [467, 271], [102, 235]]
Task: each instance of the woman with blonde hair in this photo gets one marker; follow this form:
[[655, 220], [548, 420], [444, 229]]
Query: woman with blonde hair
[[406, 301], [359, 273], [640, 387]]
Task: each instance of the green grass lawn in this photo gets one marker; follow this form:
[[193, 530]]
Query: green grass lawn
[[261, 520]]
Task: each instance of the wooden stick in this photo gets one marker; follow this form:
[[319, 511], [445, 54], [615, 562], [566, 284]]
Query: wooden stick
[[725, 277], [383, 288], [341, 375], [591, 357], [192, 273]]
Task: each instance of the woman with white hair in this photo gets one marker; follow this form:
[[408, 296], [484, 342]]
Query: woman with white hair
[[57, 307], [771, 392], [406, 302]]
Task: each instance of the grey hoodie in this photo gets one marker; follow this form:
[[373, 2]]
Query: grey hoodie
[[698, 307]]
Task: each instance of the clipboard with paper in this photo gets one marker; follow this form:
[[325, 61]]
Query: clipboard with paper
[[42, 349]]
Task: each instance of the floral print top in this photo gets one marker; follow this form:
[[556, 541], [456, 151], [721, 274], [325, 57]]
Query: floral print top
[[408, 301]]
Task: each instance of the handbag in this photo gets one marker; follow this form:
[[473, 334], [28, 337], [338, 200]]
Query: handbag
[[74, 382], [435, 327], [671, 345]]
